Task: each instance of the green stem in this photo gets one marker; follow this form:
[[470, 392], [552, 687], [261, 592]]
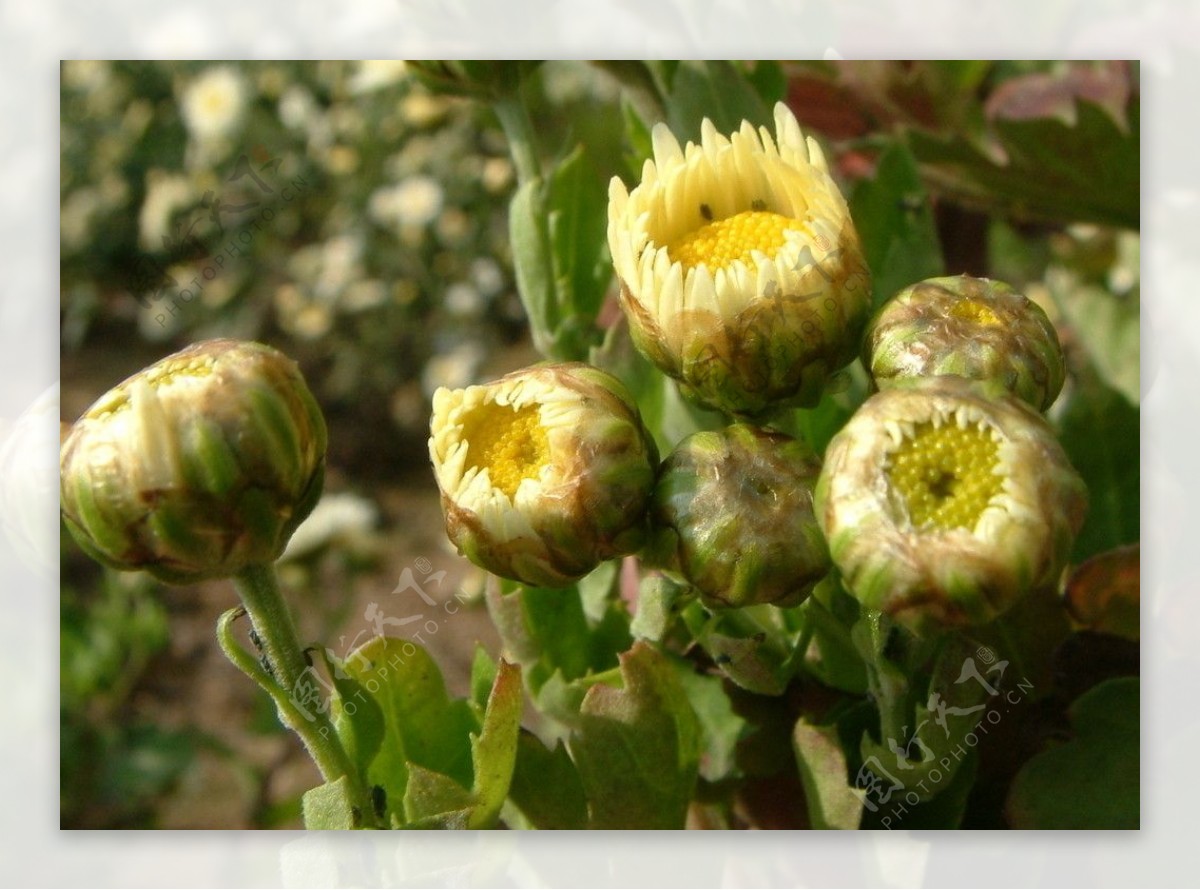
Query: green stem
[[518, 129], [259, 590]]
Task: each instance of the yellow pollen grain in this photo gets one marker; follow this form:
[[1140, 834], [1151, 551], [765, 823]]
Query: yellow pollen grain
[[510, 443], [974, 310], [721, 243], [946, 475]]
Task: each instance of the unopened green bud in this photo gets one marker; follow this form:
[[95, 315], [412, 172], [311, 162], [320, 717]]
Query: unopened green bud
[[740, 269], [737, 507], [944, 502], [198, 466], [544, 473], [967, 327]]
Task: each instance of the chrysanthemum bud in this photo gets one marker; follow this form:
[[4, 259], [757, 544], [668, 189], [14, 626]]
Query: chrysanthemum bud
[[967, 327], [738, 504], [544, 473], [198, 466], [943, 506], [741, 273]]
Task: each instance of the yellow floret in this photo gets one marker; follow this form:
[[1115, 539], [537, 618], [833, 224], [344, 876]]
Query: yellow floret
[[720, 243], [510, 443], [946, 475]]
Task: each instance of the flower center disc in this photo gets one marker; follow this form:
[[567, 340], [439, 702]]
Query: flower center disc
[[510, 443], [973, 310], [721, 243], [946, 475]]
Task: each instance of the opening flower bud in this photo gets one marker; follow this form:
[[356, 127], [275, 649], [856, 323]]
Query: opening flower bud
[[737, 509], [198, 466], [741, 273], [943, 506], [967, 327], [544, 474]]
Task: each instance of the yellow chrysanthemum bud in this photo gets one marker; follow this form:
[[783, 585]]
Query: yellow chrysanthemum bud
[[198, 466], [741, 273], [944, 502], [544, 473], [967, 327]]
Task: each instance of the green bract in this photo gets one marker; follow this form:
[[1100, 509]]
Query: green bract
[[740, 269], [967, 327], [944, 505], [737, 507], [544, 473], [198, 466]]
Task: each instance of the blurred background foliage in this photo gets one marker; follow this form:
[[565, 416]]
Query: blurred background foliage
[[357, 216]]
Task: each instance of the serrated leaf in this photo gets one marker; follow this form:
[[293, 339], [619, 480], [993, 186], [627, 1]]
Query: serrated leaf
[[422, 724], [434, 800], [1092, 781], [637, 748], [1052, 170], [494, 750], [546, 786], [721, 728], [895, 224], [328, 807], [657, 600], [832, 803]]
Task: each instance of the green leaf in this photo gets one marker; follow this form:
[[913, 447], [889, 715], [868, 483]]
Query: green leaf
[[577, 217], [639, 147], [483, 675], [494, 750], [895, 223], [718, 91], [721, 728], [1109, 327], [768, 79], [434, 800], [832, 803], [831, 656], [329, 807], [529, 238], [1100, 431], [750, 645], [1028, 636], [658, 598], [548, 633], [942, 811], [1047, 169], [1092, 781], [637, 748], [422, 725], [546, 787]]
